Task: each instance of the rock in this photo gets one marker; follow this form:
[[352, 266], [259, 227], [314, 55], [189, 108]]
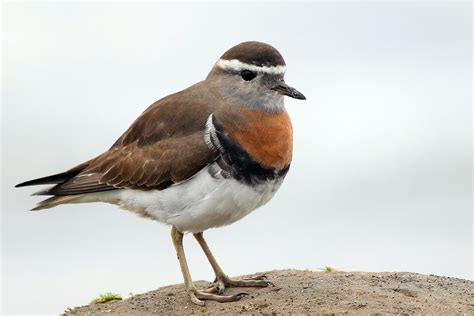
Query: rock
[[306, 292]]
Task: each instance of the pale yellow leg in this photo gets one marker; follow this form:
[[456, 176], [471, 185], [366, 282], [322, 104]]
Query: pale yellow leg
[[196, 296], [222, 280]]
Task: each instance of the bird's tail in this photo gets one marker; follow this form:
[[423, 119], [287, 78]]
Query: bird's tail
[[55, 201], [56, 179]]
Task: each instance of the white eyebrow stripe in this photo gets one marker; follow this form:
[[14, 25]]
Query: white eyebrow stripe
[[237, 65]]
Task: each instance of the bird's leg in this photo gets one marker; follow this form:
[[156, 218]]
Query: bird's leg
[[196, 296], [222, 280]]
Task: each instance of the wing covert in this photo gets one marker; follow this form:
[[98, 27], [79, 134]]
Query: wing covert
[[165, 145]]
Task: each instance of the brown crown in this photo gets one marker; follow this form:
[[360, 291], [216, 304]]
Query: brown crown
[[255, 53]]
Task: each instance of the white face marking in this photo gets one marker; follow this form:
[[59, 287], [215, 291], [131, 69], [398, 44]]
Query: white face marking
[[237, 65]]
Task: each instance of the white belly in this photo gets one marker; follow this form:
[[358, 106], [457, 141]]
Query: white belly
[[200, 203]]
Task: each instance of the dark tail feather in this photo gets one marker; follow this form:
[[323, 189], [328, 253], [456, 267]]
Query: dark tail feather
[[56, 178], [48, 191]]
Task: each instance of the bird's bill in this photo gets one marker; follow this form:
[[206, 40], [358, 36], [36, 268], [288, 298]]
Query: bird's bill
[[285, 89]]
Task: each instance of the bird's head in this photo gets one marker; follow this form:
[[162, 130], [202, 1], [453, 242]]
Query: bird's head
[[252, 74]]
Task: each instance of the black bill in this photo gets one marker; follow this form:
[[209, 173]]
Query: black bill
[[285, 89]]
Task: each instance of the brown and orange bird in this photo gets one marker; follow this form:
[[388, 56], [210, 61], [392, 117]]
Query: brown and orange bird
[[203, 157]]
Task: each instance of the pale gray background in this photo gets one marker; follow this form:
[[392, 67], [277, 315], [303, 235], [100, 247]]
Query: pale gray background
[[381, 177]]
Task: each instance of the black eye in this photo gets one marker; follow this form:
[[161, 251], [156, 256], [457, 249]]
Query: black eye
[[247, 75]]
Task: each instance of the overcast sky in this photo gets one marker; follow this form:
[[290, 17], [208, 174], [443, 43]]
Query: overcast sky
[[381, 176]]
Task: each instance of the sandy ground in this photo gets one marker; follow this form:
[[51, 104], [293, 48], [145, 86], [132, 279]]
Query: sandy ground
[[307, 292]]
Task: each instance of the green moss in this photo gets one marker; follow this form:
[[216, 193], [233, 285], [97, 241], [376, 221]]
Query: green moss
[[329, 269], [106, 298]]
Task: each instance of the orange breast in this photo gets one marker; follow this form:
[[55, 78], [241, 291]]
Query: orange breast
[[267, 137]]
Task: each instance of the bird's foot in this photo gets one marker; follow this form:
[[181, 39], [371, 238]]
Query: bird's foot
[[199, 297], [223, 281]]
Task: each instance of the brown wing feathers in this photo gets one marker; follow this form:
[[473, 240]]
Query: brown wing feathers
[[163, 146], [150, 167]]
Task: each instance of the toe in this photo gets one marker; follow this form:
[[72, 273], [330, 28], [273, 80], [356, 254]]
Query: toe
[[258, 277], [212, 289], [196, 300], [219, 298], [220, 287], [248, 283]]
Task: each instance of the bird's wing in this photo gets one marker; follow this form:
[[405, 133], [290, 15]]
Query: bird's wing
[[165, 145]]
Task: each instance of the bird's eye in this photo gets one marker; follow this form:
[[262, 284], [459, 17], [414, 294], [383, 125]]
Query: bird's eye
[[248, 75]]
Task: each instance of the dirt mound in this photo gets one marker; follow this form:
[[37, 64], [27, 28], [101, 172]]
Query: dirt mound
[[307, 292]]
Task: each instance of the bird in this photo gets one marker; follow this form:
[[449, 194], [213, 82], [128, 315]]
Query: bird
[[201, 158]]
